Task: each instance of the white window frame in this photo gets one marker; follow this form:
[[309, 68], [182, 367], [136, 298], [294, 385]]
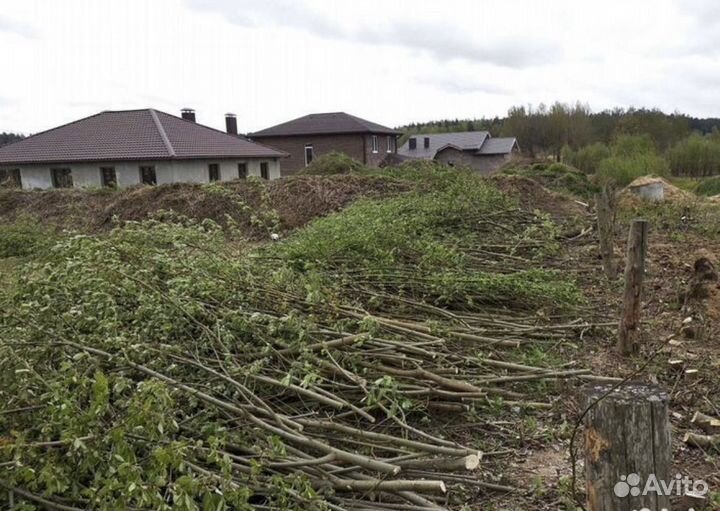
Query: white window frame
[[312, 154], [374, 144], [390, 141]]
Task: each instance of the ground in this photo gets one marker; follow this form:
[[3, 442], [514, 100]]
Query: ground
[[527, 459]]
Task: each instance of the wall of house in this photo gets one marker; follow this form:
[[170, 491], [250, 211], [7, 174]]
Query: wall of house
[[357, 146], [35, 177], [486, 165], [128, 173], [374, 159]]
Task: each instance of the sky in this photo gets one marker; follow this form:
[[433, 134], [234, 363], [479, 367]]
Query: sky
[[389, 61]]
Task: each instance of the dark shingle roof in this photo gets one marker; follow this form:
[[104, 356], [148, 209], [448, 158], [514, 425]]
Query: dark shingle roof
[[130, 135], [465, 141], [325, 124], [498, 146], [477, 142]]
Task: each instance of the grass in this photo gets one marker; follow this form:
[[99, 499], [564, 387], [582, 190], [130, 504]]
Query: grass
[[688, 184], [697, 217], [708, 187]]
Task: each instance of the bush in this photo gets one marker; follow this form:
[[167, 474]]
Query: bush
[[24, 238], [696, 156], [708, 187], [332, 163], [586, 158], [632, 156]]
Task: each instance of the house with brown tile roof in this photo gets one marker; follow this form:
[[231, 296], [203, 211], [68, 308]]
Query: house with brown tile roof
[[476, 149], [313, 135], [128, 147]]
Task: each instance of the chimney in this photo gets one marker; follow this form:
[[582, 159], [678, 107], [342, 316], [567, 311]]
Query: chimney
[[412, 143], [188, 114], [426, 142], [231, 124]]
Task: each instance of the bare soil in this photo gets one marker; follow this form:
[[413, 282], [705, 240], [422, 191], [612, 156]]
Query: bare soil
[[297, 200]]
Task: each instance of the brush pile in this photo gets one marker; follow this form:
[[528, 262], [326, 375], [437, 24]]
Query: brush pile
[[162, 367]]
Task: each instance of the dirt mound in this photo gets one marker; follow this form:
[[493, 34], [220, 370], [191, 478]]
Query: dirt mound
[[297, 200], [533, 195], [670, 192]]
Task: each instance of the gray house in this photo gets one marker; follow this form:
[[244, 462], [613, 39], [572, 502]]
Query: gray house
[[476, 149], [129, 147]]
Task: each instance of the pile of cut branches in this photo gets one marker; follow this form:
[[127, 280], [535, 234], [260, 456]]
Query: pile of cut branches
[[162, 367]]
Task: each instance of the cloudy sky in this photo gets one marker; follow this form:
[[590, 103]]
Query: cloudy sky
[[393, 62]]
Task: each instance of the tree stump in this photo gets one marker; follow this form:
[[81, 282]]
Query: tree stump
[[627, 440], [605, 204], [629, 331]]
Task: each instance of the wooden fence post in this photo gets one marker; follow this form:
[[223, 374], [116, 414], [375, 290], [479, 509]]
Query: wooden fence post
[[627, 441], [605, 205], [629, 331]]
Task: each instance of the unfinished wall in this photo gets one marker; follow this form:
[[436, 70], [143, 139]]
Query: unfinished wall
[[484, 164], [128, 173]]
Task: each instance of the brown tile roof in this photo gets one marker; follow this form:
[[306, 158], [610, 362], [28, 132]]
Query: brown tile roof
[[131, 135], [325, 124]]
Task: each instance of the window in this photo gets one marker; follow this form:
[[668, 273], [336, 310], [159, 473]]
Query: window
[[390, 144], [148, 176], [308, 154], [412, 143], [242, 170], [11, 178], [214, 172], [374, 144], [108, 176], [264, 170], [62, 178]]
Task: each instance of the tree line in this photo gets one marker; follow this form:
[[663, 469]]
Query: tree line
[[575, 134], [9, 138]]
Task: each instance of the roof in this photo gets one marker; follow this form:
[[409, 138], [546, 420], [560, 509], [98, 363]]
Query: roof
[[468, 140], [325, 124], [498, 145], [478, 142], [131, 135]]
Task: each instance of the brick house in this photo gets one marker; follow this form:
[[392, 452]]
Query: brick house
[[313, 135], [129, 147], [476, 149]]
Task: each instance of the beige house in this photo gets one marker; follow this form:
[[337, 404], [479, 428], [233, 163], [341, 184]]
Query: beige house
[[476, 149], [130, 147]]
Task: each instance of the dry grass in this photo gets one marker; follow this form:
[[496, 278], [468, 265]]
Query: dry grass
[[297, 200]]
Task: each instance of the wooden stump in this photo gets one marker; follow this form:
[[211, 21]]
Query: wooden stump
[[605, 204], [629, 331], [627, 439]]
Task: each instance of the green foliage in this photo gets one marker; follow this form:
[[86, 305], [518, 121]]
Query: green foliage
[[632, 156], [332, 163], [172, 288], [427, 231], [558, 177], [402, 229], [24, 238], [698, 217], [586, 158], [708, 187], [696, 156], [545, 130]]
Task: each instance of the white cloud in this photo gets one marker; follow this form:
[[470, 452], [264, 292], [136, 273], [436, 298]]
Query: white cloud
[[391, 62]]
